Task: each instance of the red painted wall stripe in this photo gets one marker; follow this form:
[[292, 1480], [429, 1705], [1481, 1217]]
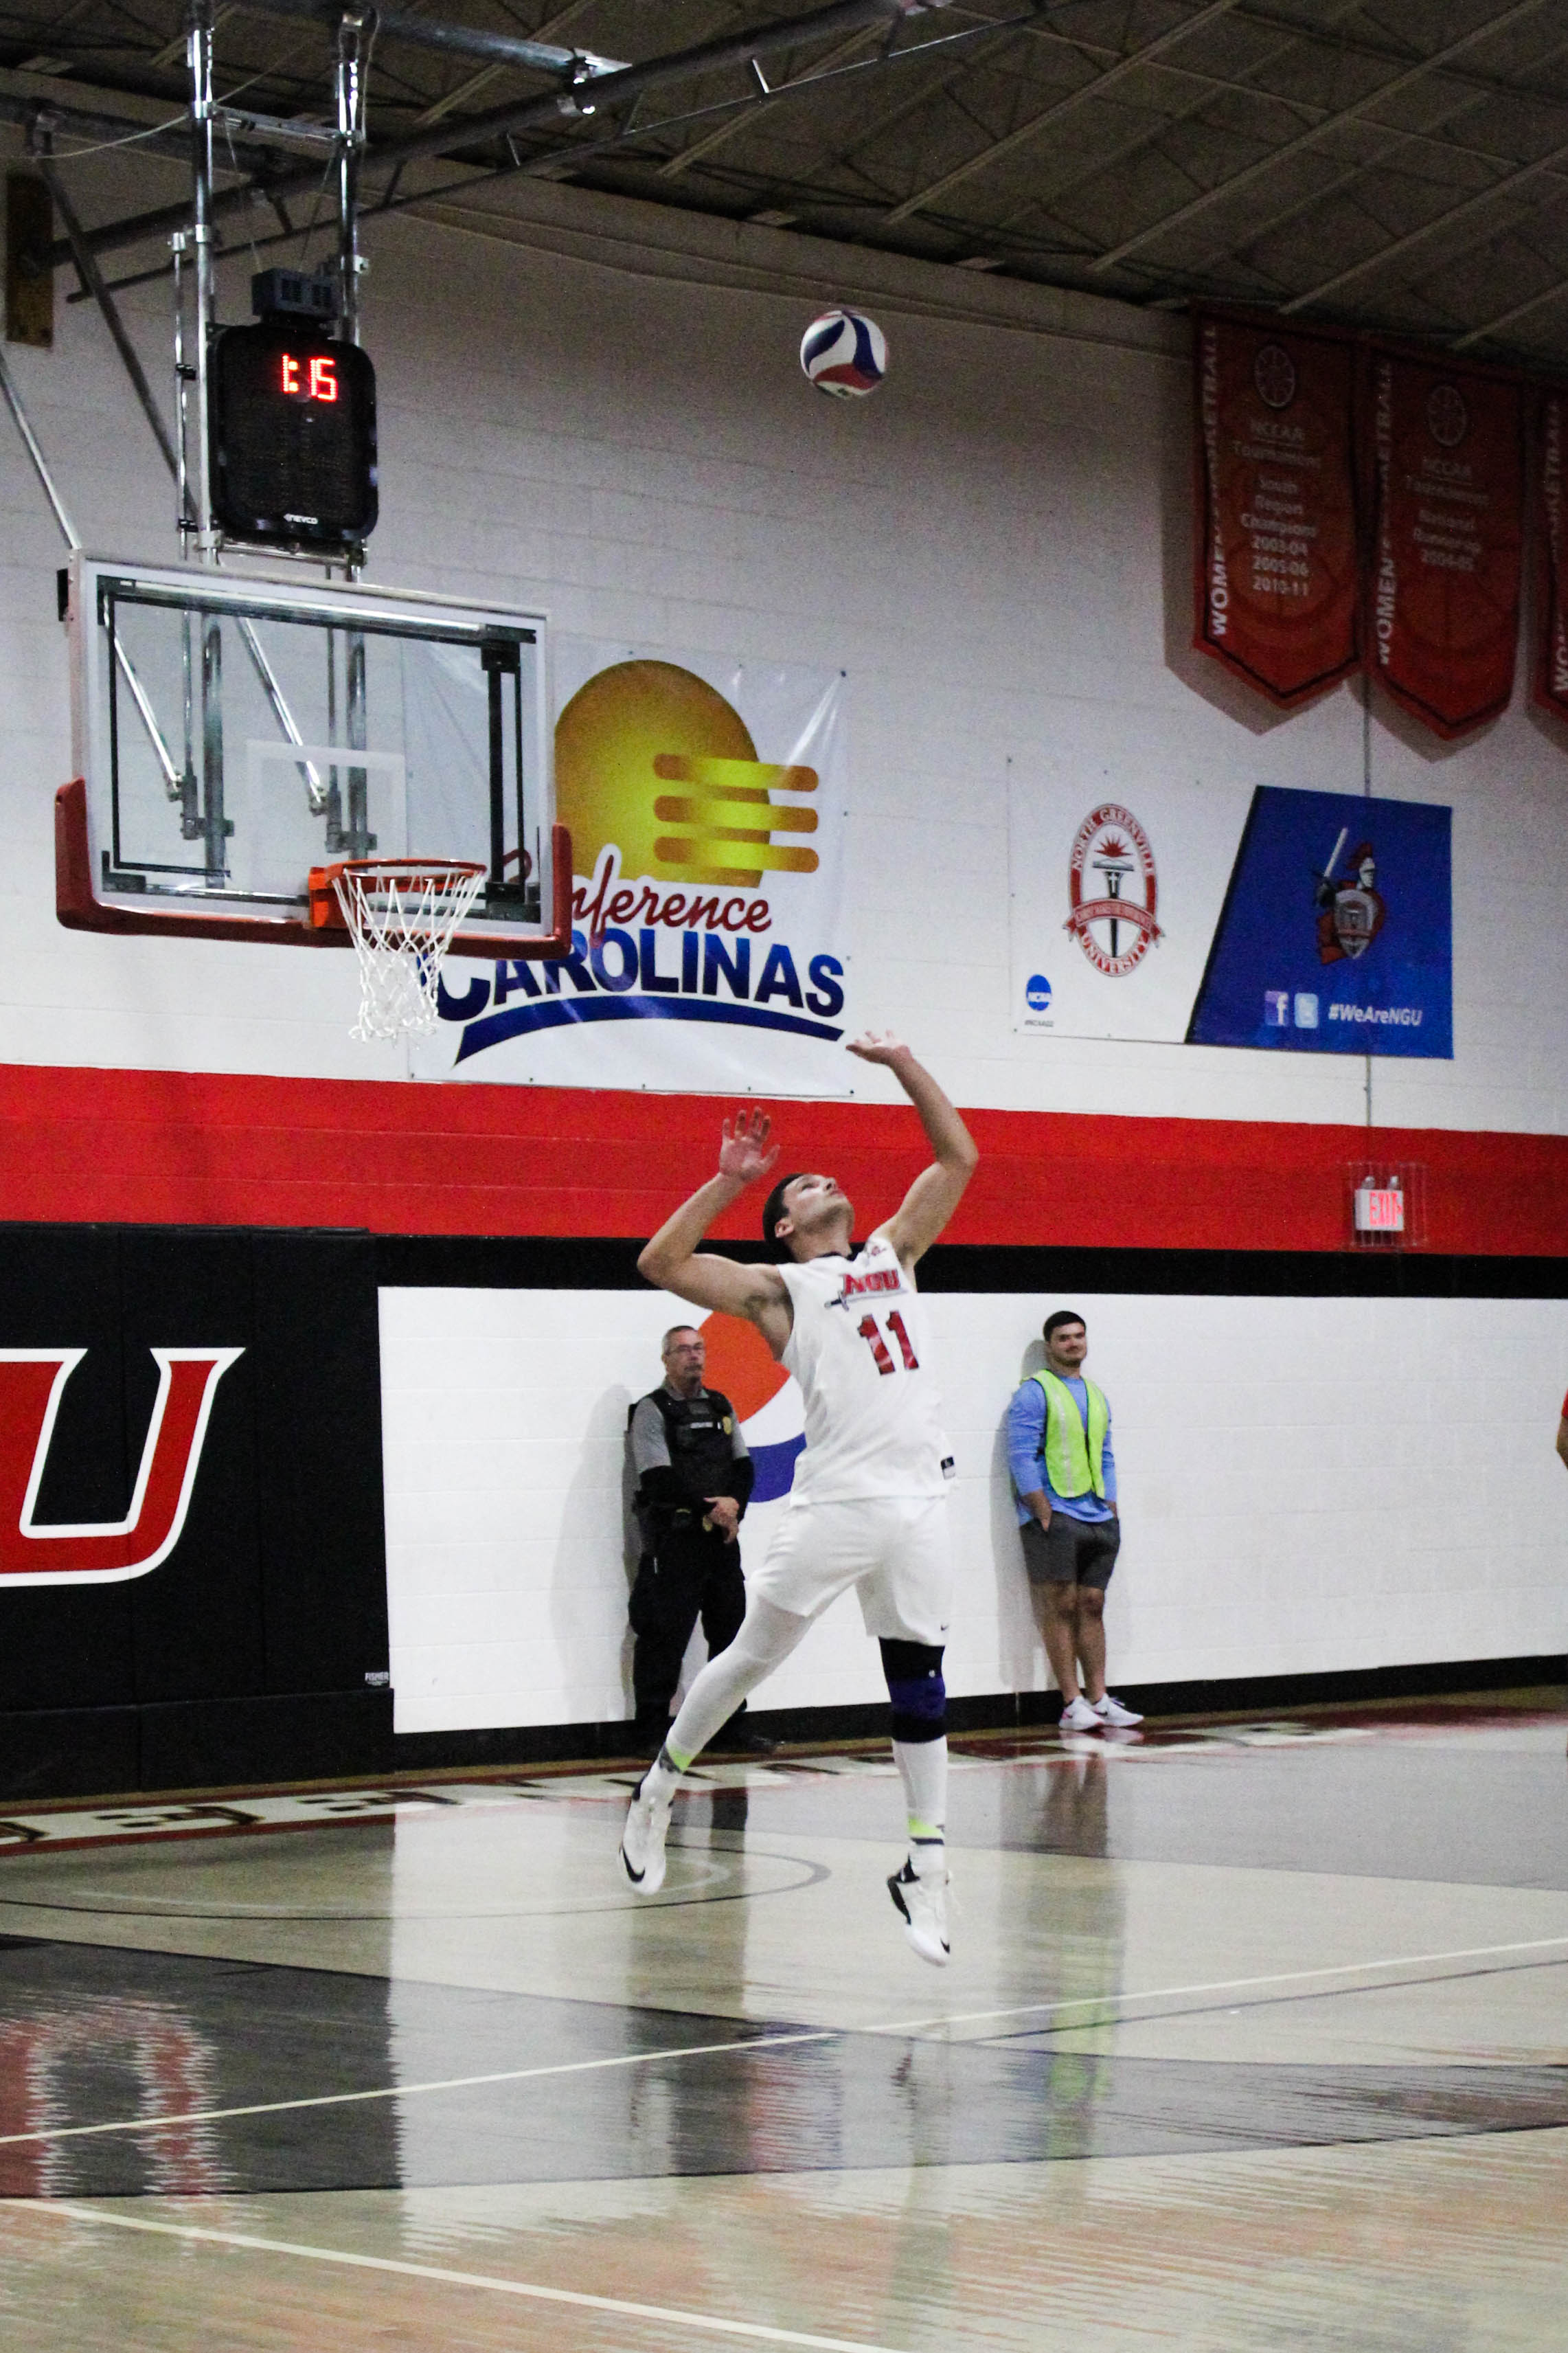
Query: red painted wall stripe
[[204, 1148]]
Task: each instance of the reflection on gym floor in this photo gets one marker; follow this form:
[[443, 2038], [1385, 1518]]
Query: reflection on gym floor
[[1254, 2035]]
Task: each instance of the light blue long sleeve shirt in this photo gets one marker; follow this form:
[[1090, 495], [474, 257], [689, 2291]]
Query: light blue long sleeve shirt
[[1026, 1448]]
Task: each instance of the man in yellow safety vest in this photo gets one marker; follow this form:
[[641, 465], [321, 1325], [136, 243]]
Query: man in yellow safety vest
[[1064, 1474]]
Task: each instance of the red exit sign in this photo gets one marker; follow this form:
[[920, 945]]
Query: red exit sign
[[1379, 1209]]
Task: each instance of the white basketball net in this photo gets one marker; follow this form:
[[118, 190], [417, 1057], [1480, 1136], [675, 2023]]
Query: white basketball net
[[402, 914]]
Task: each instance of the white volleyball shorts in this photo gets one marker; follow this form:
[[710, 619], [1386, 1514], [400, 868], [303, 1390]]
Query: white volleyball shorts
[[894, 1550]]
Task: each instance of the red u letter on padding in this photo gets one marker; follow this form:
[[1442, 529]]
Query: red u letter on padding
[[32, 1381]]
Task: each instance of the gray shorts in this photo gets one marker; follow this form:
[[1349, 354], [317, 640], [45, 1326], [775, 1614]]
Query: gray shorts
[[1070, 1551]]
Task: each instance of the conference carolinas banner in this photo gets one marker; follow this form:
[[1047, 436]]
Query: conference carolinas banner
[[706, 803], [1230, 915], [1447, 528], [1276, 586]]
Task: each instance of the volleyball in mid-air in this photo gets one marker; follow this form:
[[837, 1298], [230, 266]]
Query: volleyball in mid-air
[[845, 352]]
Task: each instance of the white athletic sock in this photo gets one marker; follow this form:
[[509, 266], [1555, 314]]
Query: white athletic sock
[[923, 1766], [766, 1638]]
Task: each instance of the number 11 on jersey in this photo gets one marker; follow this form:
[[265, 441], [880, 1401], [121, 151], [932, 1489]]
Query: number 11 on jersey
[[872, 1336]]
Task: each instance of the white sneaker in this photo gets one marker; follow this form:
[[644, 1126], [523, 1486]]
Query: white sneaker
[[1111, 1711], [642, 1842], [1078, 1715], [923, 1903]]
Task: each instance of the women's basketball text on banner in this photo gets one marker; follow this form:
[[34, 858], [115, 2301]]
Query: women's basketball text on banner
[[1551, 681], [1275, 584], [1445, 446]]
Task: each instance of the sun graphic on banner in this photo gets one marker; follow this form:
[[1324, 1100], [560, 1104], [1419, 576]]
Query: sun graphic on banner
[[653, 761]]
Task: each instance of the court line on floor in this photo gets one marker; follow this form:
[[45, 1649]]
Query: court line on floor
[[1096, 2002], [1275, 2000], [1219, 1984], [400, 2091], [755, 2331]]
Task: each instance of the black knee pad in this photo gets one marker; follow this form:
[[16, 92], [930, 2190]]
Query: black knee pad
[[913, 1671]]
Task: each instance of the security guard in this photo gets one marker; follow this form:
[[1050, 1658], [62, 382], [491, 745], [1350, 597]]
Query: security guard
[[693, 1472]]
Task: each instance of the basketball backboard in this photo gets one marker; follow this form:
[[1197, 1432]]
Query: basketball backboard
[[234, 734]]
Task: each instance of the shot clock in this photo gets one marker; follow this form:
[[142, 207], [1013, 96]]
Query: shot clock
[[293, 426]]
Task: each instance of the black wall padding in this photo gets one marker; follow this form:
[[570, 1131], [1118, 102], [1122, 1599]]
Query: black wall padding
[[581, 1262], [258, 1648]]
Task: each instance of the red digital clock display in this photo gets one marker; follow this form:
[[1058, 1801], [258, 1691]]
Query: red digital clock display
[[309, 376], [293, 436]]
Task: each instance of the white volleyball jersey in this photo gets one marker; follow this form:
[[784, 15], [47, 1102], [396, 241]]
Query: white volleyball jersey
[[859, 1348]]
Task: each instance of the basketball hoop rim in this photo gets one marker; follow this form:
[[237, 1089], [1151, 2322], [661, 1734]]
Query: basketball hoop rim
[[326, 909]]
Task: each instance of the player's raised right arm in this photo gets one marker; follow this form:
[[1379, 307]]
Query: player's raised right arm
[[673, 1262]]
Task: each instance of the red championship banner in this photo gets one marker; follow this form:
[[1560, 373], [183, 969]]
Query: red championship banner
[[1550, 553], [1447, 496], [1275, 584]]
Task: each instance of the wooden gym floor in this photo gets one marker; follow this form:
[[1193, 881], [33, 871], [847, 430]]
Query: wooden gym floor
[[1255, 2036]]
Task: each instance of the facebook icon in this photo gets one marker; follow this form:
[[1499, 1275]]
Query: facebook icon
[[1277, 1007]]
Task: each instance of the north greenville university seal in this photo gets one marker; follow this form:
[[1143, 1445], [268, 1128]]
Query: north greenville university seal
[[1113, 926]]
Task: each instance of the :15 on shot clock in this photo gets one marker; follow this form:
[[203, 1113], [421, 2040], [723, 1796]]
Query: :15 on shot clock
[[293, 436]]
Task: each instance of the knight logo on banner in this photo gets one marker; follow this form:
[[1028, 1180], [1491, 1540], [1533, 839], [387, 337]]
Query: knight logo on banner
[[705, 803], [1352, 911], [1274, 588], [1448, 531], [32, 1382]]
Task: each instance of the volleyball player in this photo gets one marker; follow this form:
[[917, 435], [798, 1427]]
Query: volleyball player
[[869, 1506]]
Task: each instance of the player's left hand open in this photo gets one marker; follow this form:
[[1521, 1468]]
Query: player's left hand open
[[745, 1152], [874, 1049]]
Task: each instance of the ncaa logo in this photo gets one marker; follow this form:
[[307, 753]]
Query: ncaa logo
[[1037, 993]]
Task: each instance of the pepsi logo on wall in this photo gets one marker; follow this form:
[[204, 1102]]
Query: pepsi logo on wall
[[767, 1401]]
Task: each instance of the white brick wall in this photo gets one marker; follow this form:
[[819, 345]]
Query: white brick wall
[[607, 418], [1304, 1488]]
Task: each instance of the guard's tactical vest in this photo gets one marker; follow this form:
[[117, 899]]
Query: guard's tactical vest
[[700, 1432], [1073, 1456]]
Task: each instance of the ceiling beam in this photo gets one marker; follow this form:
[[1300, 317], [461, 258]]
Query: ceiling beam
[[926, 96], [1509, 318], [1353, 43], [463, 92], [1094, 88], [530, 51], [547, 109], [1141, 139], [1434, 227], [698, 148], [1240, 180], [1464, 104]]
